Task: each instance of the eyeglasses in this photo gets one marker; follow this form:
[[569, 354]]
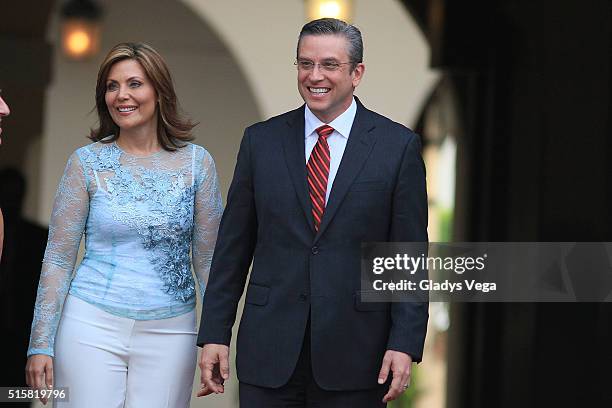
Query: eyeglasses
[[329, 66]]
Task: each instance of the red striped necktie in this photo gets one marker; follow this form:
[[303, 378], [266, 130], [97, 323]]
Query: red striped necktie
[[318, 173]]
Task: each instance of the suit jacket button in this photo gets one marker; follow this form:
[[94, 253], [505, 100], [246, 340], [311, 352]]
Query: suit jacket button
[[303, 297], [315, 250]]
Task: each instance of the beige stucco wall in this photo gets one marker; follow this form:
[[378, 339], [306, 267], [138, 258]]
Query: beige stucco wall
[[262, 36]]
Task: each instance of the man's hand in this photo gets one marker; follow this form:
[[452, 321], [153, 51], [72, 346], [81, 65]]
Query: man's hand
[[214, 367], [39, 373], [400, 365]]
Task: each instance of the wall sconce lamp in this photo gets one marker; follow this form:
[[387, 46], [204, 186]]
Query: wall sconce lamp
[[340, 9], [80, 29]]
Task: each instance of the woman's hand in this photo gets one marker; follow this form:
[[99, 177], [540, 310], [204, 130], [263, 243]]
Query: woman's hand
[[39, 373]]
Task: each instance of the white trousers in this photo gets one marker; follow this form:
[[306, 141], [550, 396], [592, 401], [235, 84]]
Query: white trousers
[[107, 361]]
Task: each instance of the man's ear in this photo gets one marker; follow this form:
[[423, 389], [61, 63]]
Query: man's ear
[[357, 74]]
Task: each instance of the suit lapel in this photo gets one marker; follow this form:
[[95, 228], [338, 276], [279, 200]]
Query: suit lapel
[[358, 148], [295, 156]]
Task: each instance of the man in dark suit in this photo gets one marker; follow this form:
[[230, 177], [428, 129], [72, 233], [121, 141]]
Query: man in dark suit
[[309, 187], [24, 247]]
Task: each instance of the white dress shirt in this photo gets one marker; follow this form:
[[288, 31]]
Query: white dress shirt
[[337, 140]]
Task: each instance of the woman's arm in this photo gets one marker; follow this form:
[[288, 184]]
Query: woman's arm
[[207, 215], [66, 227]]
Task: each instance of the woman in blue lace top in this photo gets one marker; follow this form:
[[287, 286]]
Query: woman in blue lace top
[[120, 330]]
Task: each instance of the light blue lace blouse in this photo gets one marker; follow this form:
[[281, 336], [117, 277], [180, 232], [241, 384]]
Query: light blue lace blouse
[[140, 216]]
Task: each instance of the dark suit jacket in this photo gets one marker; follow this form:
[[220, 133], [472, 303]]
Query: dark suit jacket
[[24, 248], [378, 195]]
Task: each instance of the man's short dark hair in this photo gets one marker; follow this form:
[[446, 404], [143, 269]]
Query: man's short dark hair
[[333, 26]]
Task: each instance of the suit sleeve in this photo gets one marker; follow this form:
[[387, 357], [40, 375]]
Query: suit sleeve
[[409, 224], [232, 256]]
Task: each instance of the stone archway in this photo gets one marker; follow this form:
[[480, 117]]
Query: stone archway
[[262, 37]]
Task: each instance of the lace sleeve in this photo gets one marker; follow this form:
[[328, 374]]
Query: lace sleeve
[[207, 215], [66, 227]]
